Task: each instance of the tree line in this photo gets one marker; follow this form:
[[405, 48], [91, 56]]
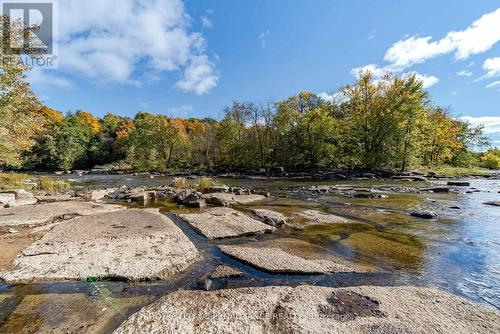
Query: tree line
[[384, 123]]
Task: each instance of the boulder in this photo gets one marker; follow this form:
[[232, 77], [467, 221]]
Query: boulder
[[7, 199], [288, 256], [126, 244], [425, 214], [436, 189], [458, 183], [217, 223], [313, 310], [46, 213], [223, 199], [216, 189], [270, 217], [194, 200], [17, 197], [409, 178], [54, 198]]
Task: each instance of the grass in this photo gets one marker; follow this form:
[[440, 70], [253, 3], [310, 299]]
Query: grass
[[51, 185], [206, 182], [179, 182], [13, 181], [455, 171]]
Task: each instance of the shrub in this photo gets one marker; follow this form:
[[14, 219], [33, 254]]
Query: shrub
[[51, 185]]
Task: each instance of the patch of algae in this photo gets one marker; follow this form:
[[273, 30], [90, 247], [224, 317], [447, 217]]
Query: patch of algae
[[369, 243], [399, 250]]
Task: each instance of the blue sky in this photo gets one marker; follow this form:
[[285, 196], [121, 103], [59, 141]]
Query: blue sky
[[191, 58]]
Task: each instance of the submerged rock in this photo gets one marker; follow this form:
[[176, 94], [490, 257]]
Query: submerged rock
[[224, 271], [270, 217], [458, 183], [217, 223], [288, 256], [128, 244], [46, 213], [425, 214], [313, 310]]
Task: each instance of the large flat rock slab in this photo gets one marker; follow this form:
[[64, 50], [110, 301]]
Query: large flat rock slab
[[313, 310], [127, 244], [289, 256], [46, 213], [305, 218], [223, 222], [226, 199]]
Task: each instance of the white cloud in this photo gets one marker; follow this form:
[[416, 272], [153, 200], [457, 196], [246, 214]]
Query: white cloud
[[41, 79], [464, 73], [427, 80], [333, 97], [143, 105], [454, 93], [479, 37], [131, 41], [200, 76], [493, 84], [378, 72], [492, 67], [491, 123], [206, 22], [182, 111], [263, 38]]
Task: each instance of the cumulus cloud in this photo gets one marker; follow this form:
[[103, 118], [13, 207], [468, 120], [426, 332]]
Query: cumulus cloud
[[492, 67], [200, 76], [44, 79], [181, 111], [464, 73], [206, 22], [378, 72], [131, 41], [491, 123], [427, 80], [333, 97], [373, 68], [479, 37]]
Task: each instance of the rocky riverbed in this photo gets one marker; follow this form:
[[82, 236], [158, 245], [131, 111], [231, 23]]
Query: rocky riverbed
[[269, 255]]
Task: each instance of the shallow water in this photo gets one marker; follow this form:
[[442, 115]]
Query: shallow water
[[459, 252]]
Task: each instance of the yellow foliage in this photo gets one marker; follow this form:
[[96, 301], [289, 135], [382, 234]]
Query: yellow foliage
[[93, 123]]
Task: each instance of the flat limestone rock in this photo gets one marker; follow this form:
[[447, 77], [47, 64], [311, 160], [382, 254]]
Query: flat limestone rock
[[232, 199], [313, 310], [288, 256], [223, 271], [46, 213], [128, 244], [317, 217], [17, 197], [222, 222], [270, 217]]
